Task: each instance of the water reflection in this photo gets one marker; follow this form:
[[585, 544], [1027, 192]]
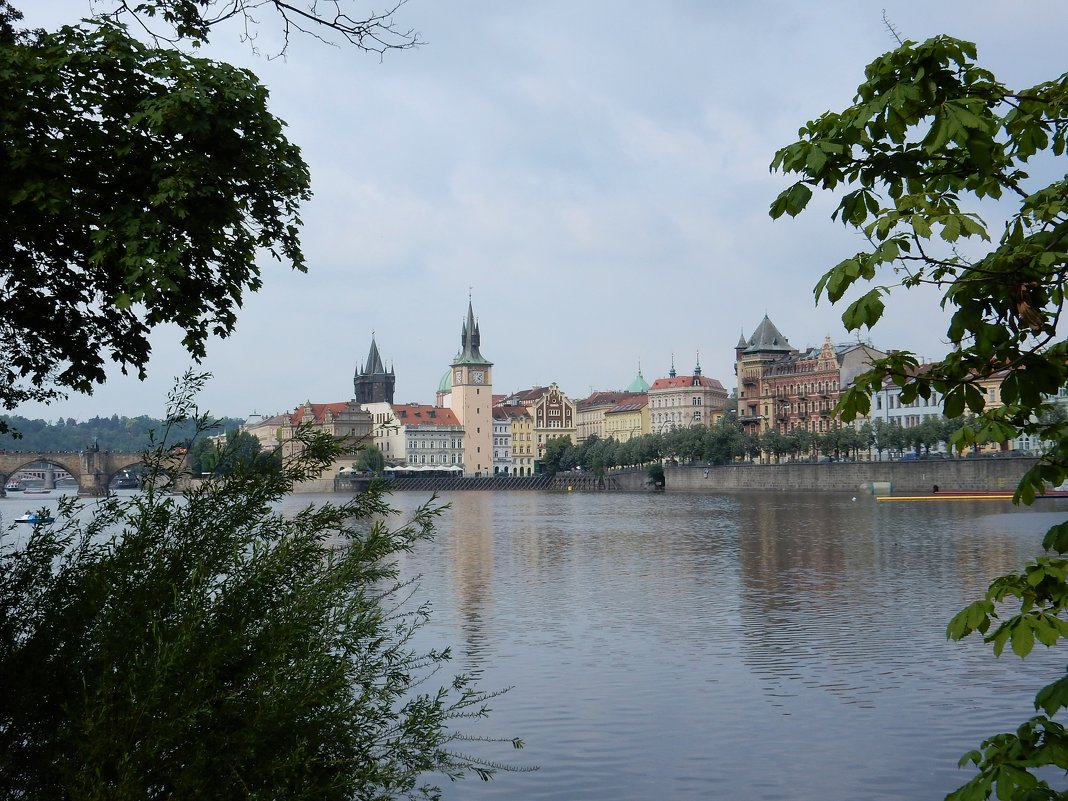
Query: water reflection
[[742, 646], [783, 646]]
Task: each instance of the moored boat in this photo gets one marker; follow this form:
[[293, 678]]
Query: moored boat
[[35, 519], [13, 486], [972, 495]]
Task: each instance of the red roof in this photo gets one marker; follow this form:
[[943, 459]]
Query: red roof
[[682, 381], [416, 414], [508, 412], [604, 398], [319, 411]]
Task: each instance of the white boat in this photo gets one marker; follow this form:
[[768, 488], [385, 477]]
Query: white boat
[[35, 519], [13, 486]]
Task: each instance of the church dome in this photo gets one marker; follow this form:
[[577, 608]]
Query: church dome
[[445, 385], [639, 384]]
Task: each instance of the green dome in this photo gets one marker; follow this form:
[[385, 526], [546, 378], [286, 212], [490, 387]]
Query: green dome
[[445, 385], [639, 384]]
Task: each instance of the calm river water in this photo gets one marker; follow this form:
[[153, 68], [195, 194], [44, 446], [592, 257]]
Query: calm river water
[[747, 646], [778, 646]]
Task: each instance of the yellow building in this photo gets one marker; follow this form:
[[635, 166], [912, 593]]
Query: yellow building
[[520, 439], [627, 419]]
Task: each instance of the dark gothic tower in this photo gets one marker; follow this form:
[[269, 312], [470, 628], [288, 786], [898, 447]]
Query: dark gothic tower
[[372, 383]]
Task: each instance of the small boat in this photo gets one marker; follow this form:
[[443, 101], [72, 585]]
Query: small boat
[[126, 480], [36, 492], [35, 519], [13, 486], [972, 495]]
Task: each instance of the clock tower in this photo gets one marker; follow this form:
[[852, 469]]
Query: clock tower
[[472, 399]]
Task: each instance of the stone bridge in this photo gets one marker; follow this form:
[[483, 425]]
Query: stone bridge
[[92, 469]]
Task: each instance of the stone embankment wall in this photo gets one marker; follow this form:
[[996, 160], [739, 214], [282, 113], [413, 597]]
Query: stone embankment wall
[[902, 477]]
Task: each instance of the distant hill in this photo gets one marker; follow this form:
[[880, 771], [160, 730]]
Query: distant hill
[[127, 434]]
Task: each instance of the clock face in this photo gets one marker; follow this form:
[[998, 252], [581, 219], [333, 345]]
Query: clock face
[[478, 376], [459, 376]]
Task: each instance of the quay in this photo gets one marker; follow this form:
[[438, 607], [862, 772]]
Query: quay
[[901, 477]]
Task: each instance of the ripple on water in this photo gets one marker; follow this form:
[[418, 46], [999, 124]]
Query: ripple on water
[[748, 646]]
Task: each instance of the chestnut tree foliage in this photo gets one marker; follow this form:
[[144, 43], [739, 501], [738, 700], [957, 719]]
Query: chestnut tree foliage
[[932, 147], [203, 645], [142, 185]]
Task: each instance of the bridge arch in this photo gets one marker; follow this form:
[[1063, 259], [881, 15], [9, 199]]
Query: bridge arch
[[92, 469]]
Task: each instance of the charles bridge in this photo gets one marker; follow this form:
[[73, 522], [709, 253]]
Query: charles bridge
[[92, 469]]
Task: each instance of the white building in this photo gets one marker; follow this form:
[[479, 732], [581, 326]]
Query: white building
[[413, 434]]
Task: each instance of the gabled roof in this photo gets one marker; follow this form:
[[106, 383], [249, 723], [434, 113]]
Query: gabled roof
[[602, 398], [510, 412], [630, 405], [526, 395], [320, 412], [414, 415], [767, 339]]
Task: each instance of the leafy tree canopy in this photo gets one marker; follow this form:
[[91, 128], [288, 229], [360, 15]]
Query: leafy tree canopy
[[931, 141], [140, 185]]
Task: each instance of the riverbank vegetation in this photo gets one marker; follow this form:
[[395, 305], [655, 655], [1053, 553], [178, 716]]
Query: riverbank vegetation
[[115, 433], [932, 147], [205, 646], [209, 646], [726, 442]]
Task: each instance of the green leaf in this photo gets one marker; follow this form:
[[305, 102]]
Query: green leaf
[[1056, 538], [1023, 637]]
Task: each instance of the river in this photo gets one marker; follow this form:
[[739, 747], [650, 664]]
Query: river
[[779, 646], [743, 646]]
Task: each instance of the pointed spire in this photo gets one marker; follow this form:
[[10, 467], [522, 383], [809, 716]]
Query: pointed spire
[[697, 369], [373, 365], [671, 372], [470, 341]]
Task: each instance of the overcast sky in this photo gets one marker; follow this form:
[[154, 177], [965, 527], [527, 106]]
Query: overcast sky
[[595, 174]]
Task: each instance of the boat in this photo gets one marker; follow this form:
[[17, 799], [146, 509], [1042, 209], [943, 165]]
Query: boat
[[35, 519], [125, 480], [972, 495], [36, 492], [13, 486]]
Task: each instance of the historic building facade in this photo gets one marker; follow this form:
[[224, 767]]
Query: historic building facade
[[416, 435], [590, 413], [681, 401], [345, 420], [372, 383], [627, 419], [552, 414], [783, 389]]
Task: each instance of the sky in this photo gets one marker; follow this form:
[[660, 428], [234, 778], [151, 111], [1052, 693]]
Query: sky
[[593, 175]]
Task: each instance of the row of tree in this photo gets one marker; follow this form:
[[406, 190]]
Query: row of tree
[[726, 442], [115, 433]]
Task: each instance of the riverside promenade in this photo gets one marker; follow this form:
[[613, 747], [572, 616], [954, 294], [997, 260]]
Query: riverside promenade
[[899, 477]]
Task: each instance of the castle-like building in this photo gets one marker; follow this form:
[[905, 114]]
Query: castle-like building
[[372, 383], [781, 388]]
